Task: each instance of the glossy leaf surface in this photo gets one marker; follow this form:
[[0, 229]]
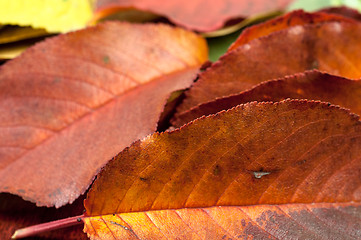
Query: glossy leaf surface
[[199, 15], [312, 85], [333, 47], [257, 153], [88, 95], [294, 18]]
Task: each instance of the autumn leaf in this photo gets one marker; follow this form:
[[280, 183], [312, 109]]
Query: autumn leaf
[[210, 15], [294, 18], [54, 16], [312, 85], [333, 47], [88, 95], [199, 181]]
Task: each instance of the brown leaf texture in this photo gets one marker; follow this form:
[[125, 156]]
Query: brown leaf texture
[[199, 15], [333, 47], [71, 103], [257, 153], [298, 17], [312, 85], [289, 221]]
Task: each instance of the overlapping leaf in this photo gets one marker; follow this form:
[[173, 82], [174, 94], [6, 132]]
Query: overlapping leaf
[[312, 85], [200, 15], [54, 16], [333, 47], [258, 153], [71, 103], [291, 19]]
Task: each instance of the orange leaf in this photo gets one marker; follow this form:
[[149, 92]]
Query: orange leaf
[[294, 18], [257, 153], [312, 85], [71, 103], [333, 47], [291, 221], [199, 15]]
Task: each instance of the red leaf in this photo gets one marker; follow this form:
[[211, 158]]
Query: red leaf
[[291, 19], [309, 85], [333, 47], [71, 103], [199, 15], [343, 11]]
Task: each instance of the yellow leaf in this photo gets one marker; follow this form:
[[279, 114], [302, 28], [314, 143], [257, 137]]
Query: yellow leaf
[[53, 15]]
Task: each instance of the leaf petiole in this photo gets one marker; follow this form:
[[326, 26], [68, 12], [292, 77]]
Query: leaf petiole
[[44, 227]]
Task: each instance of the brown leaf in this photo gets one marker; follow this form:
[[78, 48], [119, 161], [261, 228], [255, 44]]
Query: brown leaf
[[290, 221], [294, 18], [199, 15], [71, 103], [16, 213], [312, 85], [257, 153], [333, 47]]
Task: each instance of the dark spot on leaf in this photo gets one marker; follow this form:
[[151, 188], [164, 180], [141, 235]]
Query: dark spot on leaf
[[57, 80], [106, 59], [224, 236], [301, 162], [21, 190], [243, 222], [216, 170], [143, 179], [78, 219]]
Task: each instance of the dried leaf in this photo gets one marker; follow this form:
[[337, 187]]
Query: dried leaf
[[257, 153], [312, 85], [333, 47], [88, 95], [210, 15], [294, 18], [290, 221]]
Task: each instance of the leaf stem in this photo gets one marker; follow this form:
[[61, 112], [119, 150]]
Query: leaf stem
[[44, 227]]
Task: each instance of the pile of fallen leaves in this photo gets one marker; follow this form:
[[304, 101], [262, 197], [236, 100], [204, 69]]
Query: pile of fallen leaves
[[265, 143]]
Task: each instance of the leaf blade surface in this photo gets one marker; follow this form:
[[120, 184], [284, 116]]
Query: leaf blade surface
[[244, 156], [332, 47], [89, 94]]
